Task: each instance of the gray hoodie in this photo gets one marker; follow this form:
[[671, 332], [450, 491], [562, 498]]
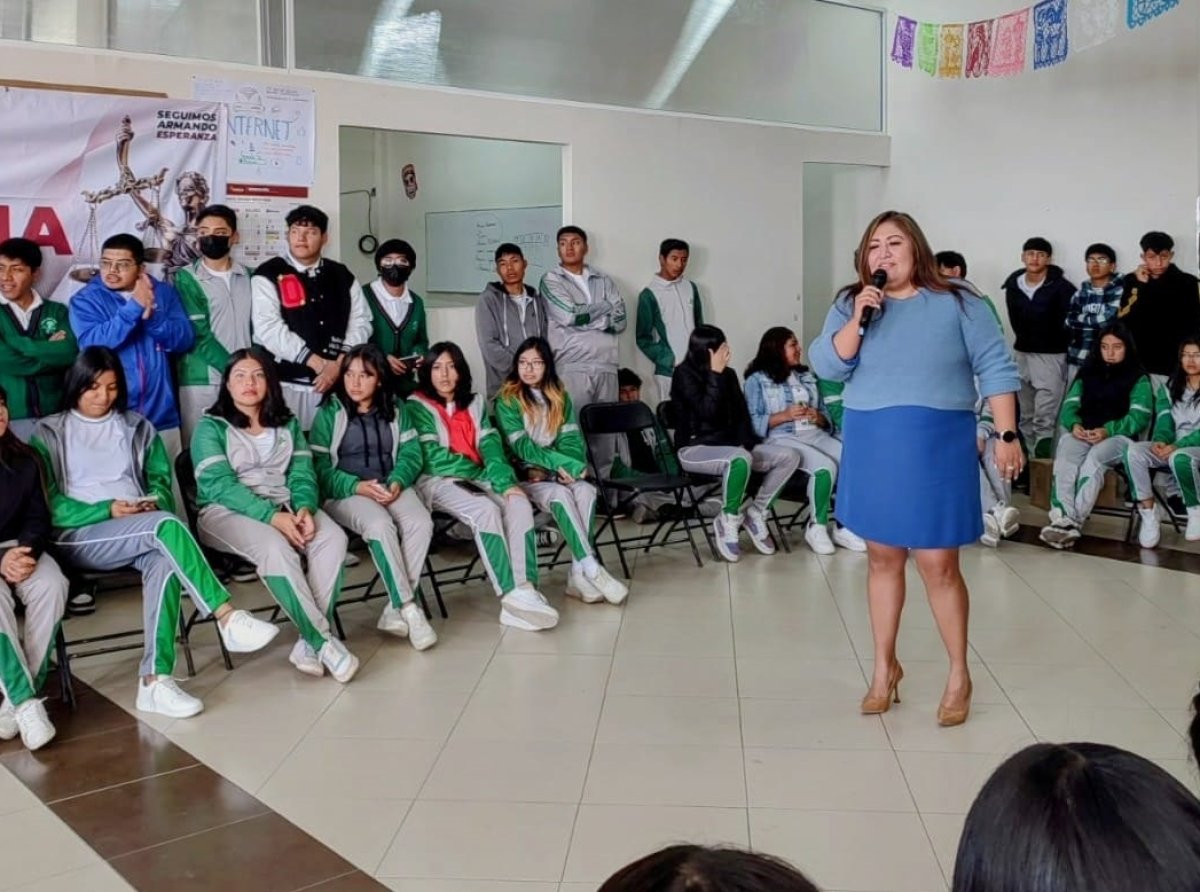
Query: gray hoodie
[[501, 326]]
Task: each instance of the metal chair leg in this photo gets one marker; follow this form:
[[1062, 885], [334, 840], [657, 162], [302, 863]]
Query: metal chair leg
[[187, 645], [65, 681]]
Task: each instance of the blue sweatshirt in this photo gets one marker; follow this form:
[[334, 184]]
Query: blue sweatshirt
[[925, 351], [106, 318]]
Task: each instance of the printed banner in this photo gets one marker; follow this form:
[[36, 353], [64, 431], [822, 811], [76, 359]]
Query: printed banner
[[1142, 11], [979, 47], [1049, 33], [76, 168], [1008, 47], [903, 41], [950, 58], [927, 48], [1093, 22]]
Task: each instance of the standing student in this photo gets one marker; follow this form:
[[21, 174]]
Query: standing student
[[397, 314], [667, 311], [1094, 306], [714, 435], [259, 500], [1038, 298], [1174, 444], [367, 460], [215, 292], [467, 475], [1160, 304], [308, 311], [910, 473], [30, 575], [786, 408], [36, 342], [536, 418], [952, 265], [1110, 403], [506, 314], [108, 481]]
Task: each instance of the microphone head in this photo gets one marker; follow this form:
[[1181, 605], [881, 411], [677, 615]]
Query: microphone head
[[879, 278]]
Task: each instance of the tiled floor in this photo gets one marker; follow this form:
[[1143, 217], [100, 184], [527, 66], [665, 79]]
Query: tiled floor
[[719, 705]]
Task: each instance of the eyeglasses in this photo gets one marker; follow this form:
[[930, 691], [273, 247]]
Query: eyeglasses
[[531, 364], [1099, 259], [1192, 356], [388, 264], [119, 266]]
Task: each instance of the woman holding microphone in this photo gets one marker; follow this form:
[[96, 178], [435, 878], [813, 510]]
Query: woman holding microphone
[[914, 366]]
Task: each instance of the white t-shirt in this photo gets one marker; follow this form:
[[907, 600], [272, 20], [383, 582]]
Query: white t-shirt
[[1029, 289], [222, 274], [264, 443], [99, 458], [397, 308], [582, 281]]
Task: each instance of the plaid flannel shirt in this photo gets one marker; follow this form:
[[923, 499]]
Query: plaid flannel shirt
[[1091, 309]]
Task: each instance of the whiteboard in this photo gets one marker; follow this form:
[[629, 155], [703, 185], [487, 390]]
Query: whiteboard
[[460, 246]]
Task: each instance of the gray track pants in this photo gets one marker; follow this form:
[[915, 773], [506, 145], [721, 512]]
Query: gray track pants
[[1079, 470], [593, 385], [397, 535], [44, 594], [1043, 381], [734, 464], [994, 489]]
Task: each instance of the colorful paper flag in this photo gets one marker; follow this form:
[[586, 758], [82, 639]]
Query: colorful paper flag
[[903, 40], [927, 48], [1142, 11], [1049, 33], [1008, 47], [950, 55], [979, 47], [1093, 22]]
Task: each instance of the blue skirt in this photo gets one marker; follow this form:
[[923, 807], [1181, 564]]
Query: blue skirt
[[910, 477]]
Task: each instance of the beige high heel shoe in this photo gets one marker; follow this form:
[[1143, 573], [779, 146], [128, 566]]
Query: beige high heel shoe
[[878, 705], [956, 714]]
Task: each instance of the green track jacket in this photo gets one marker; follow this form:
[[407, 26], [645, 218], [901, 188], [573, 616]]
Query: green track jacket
[[495, 471], [1135, 423], [568, 451], [325, 438]]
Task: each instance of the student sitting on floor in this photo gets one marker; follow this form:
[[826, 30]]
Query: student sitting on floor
[[1000, 518], [1110, 403], [467, 476], [108, 480], [367, 459], [1174, 444], [30, 574], [716, 436], [259, 500], [536, 418], [786, 409]]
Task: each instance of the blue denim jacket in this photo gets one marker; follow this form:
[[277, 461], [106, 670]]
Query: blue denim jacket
[[765, 397]]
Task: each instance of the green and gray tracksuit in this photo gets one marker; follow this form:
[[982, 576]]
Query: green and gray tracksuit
[[572, 505], [219, 307], [667, 311], [157, 543], [474, 493], [31, 364], [1176, 424], [242, 482], [398, 460]]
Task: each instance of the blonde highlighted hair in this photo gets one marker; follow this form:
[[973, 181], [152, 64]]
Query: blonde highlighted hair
[[555, 395]]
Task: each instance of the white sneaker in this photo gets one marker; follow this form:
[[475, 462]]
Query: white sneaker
[[1009, 519], [351, 560], [338, 660], [848, 539], [243, 634], [8, 721], [1192, 533], [1061, 534], [165, 697], [392, 621], [36, 730], [759, 530], [527, 604], [725, 535], [304, 658], [817, 537], [991, 530], [579, 586], [547, 538], [420, 633], [613, 589], [1150, 530]]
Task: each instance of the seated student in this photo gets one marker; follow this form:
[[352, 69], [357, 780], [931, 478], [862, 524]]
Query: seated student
[[1000, 518], [667, 311], [1094, 306], [537, 420], [36, 343], [507, 312], [367, 459], [1080, 817], [1109, 404], [716, 436], [1160, 304], [397, 313], [108, 480], [259, 500], [1174, 443], [467, 475], [31, 575], [692, 868], [786, 409]]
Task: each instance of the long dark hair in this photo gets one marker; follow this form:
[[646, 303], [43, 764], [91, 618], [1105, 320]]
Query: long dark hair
[[1128, 369], [692, 868], [375, 363], [701, 342], [274, 411], [463, 392], [925, 267], [551, 387], [12, 447], [87, 367], [770, 360], [1177, 383], [1080, 816]]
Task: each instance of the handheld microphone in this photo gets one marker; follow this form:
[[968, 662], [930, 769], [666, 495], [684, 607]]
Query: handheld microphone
[[878, 279]]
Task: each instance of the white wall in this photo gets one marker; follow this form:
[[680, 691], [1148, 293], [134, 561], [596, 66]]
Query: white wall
[[732, 189]]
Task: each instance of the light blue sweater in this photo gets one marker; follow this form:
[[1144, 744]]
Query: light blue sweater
[[928, 350]]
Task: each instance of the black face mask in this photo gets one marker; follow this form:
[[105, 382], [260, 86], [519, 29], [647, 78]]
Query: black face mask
[[395, 275], [214, 247]]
